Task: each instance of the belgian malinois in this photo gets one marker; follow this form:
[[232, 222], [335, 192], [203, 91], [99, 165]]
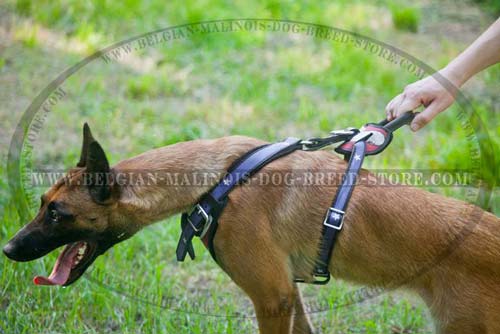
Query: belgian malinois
[[444, 249]]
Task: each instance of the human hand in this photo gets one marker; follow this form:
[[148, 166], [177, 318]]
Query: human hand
[[427, 92]]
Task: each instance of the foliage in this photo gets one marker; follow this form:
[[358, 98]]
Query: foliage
[[406, 18]]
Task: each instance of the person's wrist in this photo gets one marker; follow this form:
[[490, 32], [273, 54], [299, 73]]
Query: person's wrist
[[454, 75]]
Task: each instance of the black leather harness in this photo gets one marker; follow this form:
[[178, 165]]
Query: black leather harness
[[371, 139]]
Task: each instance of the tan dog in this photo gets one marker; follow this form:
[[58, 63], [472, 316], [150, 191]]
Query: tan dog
[[446, 250]]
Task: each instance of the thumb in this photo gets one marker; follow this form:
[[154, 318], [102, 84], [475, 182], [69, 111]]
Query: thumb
[[424, 117]]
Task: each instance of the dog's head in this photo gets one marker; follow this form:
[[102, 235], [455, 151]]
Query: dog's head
[[79, 211]]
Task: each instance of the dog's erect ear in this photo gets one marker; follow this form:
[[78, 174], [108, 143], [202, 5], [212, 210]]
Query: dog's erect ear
[[98, 174], [87, 139]]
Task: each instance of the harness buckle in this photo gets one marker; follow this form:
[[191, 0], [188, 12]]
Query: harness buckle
[[321, 274], [206, 227], [321, 278], [346, 131], [316, 143], [206, 217], [337, 216]]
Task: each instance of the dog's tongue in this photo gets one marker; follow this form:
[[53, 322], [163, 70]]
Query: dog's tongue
[[62, 268]]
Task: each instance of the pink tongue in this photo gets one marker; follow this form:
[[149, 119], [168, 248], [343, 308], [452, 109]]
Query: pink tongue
[[62, 268]]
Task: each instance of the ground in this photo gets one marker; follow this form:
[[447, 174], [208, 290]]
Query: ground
[[260, 84]]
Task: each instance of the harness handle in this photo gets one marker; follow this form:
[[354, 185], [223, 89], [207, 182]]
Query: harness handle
[[402, 120]]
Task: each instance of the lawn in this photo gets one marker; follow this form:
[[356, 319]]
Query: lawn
[[267, 83]]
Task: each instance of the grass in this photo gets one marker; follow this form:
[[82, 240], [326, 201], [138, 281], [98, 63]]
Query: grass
[[406, 18], [266, 85], [490, 5]]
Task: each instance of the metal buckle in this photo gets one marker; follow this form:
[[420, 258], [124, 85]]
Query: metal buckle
[[346, 131], [309, 144], [206, 227], [316, 143], [340, 217], [321, 279], [362, 135], [204, 214]]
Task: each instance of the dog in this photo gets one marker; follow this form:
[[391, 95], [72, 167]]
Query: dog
[[445, 250]]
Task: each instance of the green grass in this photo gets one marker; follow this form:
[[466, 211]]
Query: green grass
[[490, 5], [266, 85], [406, 18]]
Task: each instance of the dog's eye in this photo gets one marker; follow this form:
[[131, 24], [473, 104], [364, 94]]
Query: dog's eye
[[54, 216]]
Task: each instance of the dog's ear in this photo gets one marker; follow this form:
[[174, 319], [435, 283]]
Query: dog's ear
[[99, 180], [87, 139]]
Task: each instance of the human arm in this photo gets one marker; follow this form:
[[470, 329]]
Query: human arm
[[432, 94]]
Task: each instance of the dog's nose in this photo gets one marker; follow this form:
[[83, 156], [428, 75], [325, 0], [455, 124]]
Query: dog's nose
[[8, 250]]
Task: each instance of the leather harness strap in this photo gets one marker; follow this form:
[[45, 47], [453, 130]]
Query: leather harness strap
[[334, 219], [369, 140], [204, 215]]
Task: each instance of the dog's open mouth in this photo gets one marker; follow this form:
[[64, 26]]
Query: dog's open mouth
[[70, 264]]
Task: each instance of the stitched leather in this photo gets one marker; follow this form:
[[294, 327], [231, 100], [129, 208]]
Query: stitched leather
[[214, 201]]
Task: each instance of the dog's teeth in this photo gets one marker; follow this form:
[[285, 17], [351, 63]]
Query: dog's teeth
[[82, 249]]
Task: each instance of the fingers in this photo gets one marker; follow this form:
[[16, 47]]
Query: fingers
[[408, 104], [401, 104], [421, 119], [391, 106], [427, 92]]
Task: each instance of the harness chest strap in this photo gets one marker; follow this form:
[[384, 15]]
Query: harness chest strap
[[334, 219]]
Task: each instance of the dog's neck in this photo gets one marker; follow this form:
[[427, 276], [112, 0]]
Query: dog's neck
[[169, 180]]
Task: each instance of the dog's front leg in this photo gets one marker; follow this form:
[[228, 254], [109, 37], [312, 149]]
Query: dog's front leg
[[261, 269], [276, 315], [274, 311], [273, 295], [301, 323]]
